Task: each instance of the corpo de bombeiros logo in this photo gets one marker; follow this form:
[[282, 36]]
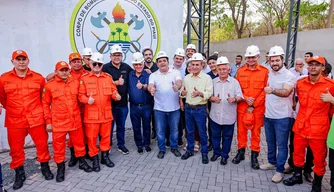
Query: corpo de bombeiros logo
[[99, 24]]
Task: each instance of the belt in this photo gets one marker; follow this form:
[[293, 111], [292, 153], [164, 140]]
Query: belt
[[140, 105], [195, 106]]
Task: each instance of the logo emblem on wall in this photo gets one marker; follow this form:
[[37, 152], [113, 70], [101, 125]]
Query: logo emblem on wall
[[100, 24]]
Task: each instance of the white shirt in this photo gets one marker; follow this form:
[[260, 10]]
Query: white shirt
[[165, 98], [296, 73], [225, 113], [207, 69], [182, 69], [280, 107]]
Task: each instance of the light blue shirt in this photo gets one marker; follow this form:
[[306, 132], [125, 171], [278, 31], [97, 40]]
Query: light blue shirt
[[234, 69]]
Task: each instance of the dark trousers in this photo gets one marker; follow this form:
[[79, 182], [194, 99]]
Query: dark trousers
[[0, 177], [331, 166]]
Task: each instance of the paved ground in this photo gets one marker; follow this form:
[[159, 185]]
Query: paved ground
[[146, 172]]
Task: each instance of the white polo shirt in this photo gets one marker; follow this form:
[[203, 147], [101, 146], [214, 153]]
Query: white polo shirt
[[280, 107], [225, 113], [165, 98]]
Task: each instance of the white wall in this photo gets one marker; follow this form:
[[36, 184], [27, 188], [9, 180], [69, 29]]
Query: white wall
[[41, 27]]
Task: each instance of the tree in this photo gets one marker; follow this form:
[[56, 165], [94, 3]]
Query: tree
[[238, 9], [119, 30], [313, 16], [125, 35], [113, 35], [330, 15]]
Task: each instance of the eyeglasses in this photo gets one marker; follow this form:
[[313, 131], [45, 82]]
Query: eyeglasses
[[87, 58], [99, 64], [315, 65], [117, 55]]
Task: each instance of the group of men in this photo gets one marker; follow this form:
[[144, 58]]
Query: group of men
[[85, 98]]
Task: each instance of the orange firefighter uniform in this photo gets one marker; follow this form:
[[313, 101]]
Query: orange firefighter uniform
[[21, 97], [97, 116], [64, 115], [252, 83], [312, 122]]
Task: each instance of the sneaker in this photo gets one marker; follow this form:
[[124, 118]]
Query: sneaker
[[140, 151], [176, 152], [268, 166], [278, 177], [288, 170], [161, 154], [148, 149], [123, 150]]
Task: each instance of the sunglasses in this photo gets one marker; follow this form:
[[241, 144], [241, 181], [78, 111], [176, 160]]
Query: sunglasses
[[99, 64]]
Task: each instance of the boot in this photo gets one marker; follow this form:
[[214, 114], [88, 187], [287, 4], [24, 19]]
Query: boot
[[316, 186], [239, 157], [20, 177], [87, 155], [60, 172], [254, 162], [84, 166], [105, 159], [297, 177], [96, 164], [73, 160], [45, 168]]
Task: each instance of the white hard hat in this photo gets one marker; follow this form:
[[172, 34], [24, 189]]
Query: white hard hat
[[197, 57], [222, 61], [276, 51], [191, 46], [161, 54], [116, 49], [180, 52], [137, 58], [87, 51], [252, 50], [216, 52], [97, 57]]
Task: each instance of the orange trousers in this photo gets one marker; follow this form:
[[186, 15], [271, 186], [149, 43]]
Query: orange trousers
[[69, 141], [16, 140], [93, 130], [319, 149], [59, 144], [256, 132]]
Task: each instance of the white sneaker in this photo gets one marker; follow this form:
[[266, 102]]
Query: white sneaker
[[278, 177], [268, 166]]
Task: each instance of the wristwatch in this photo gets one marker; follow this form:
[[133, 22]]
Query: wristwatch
[[273, 91]]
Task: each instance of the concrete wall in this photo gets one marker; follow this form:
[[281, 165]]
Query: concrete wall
[[320, 42]]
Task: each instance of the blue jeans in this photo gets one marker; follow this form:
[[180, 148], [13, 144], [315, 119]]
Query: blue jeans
[[162, 119], [196, 116], [221, 134], [141, 115], [277, 137], [119, 114]]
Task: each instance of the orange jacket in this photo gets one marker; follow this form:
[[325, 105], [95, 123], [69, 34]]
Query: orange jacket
[[102, 89], [21, 97], [77, 75], [252, 83], [312, 120], [63, 97]]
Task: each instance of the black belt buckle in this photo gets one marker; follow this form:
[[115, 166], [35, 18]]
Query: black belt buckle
[[140, 105]]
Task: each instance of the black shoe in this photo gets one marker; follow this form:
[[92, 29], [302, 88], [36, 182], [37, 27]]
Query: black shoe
[[288, 170], [105, 159], [308, 177], [254, 162], [176, 152], [45, 168], [205, 159], [161, 154], [297, 178], [20, 177], [180, 143], [223, 161], [84, 166], [187, 155], [140, 151], [210, 147], [60, 177], [316, 185], [167, 144], [239, 157], [123, 150], [148, 149], [154, 135], [96, 164], [73, 160], [87, 154], [214, 157]]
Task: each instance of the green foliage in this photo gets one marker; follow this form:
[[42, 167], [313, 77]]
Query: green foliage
[[313, 16]]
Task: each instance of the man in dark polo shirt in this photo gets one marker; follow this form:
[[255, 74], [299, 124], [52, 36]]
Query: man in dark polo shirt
[[120, 74], [141, 102]]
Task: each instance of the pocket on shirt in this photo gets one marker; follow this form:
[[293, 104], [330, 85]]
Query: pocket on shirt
[[107, 90], [259, 84], [91, 89], [10, 89], [93, 114], [34, 87], [108, 112]]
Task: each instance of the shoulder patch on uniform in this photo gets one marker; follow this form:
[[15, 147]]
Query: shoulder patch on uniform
[[44, 89], [81, 82]]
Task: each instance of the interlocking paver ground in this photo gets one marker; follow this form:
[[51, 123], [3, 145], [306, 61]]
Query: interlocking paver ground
[[134, 172]]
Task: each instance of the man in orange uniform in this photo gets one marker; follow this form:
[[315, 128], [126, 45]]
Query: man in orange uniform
[[77, 70], [96, 90], [20, 95], [253, 79], [312, 122], [64, 117]]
